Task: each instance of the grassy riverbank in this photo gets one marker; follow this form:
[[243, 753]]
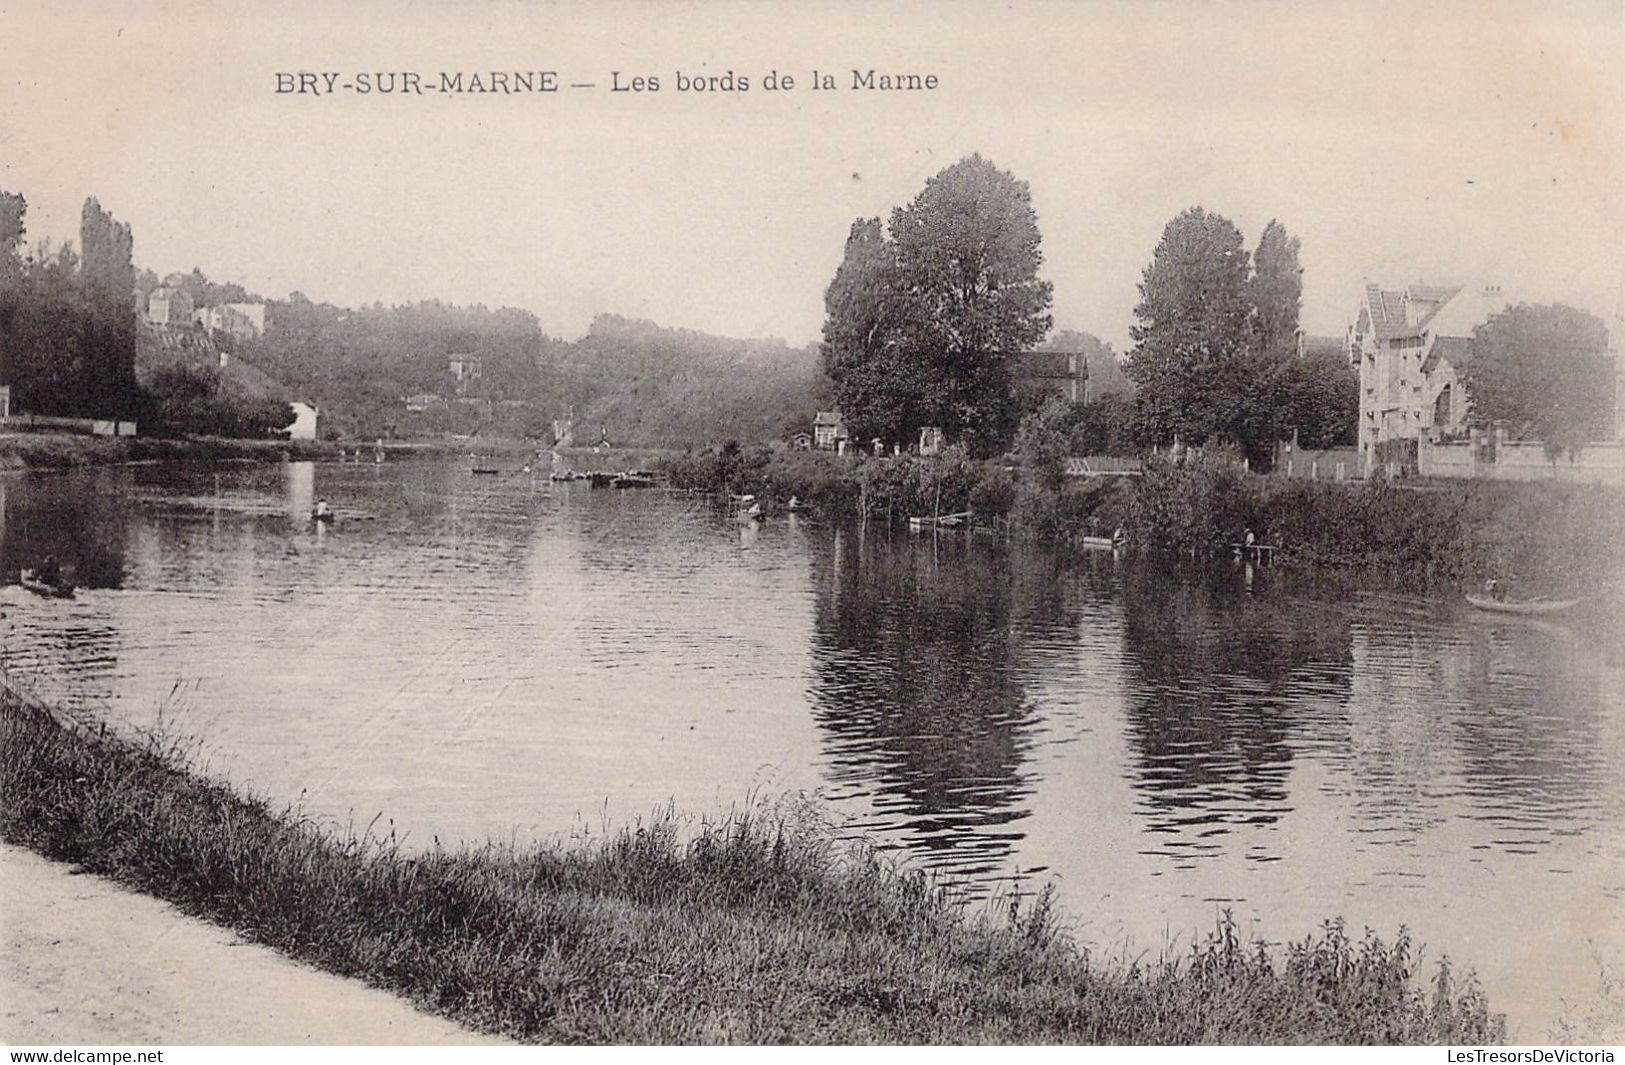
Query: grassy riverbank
[[754, 929], [1539, 538], [58, 451]]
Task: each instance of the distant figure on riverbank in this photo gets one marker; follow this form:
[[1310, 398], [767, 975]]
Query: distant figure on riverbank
[[1494, 590], [323, 512]]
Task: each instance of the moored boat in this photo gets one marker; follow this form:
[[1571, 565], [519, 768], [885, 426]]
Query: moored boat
[[1527, 607], [47, 589]]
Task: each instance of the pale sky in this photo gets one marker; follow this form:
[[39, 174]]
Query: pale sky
[[1442, 141]]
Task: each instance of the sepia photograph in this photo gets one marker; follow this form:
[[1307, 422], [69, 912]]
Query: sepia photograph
[[761, 523]]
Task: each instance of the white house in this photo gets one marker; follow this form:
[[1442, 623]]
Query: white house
[[169, 306], [304, 422], [1408, 345], [245, 321]]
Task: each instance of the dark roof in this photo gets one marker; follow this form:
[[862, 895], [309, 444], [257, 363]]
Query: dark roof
[[828, 417], [1387, 311], [1391, 308], [1047, 364]]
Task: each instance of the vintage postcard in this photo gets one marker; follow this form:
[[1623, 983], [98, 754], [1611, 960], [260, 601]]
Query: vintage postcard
[[827, 523]]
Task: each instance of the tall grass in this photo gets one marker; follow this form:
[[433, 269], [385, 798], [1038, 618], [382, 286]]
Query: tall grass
[[1544, 537], [755, 928]]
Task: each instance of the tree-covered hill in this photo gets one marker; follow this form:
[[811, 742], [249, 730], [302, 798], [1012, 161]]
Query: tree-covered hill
[[644, 384]]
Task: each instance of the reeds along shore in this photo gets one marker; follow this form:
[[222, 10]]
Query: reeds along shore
[[756, 928], [1542, 536]]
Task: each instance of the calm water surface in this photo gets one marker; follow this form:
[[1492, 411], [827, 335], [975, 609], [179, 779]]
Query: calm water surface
[[497, 657]]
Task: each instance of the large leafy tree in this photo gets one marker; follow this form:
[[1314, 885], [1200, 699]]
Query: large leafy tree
[[1216, 344], [1320, 400], [1192, 331], [922, 325], [1277, 292], [108, 277], [880, 388], [1544, 371]]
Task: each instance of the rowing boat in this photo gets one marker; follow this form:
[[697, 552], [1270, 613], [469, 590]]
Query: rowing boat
[[1528, 607]]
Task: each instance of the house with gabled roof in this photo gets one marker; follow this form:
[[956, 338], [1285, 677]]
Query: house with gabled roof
[[1408, 345]]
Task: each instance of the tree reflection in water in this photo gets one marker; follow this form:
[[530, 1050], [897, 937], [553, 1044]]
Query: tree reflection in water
[[917, 688], [1220, 684]]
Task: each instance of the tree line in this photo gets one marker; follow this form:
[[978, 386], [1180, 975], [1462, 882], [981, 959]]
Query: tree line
[[67, 331], [70, 339], [928, 314], [927, 317]]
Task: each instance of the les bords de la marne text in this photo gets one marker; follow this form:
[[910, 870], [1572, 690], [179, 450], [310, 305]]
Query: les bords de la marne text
[[537, 82]]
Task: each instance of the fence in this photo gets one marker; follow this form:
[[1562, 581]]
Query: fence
[[1484, 457], [1332, 464], [1102, 466], [44, 423]]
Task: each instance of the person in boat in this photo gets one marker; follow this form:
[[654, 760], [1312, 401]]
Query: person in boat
[[49, 572], [1493, 589]]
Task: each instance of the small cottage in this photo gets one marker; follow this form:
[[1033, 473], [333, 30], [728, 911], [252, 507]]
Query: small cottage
[[829, 430]]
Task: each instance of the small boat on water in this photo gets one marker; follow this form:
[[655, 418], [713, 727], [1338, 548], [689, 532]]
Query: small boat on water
[[945, 521], [484, 470], [1525, 607], [633, 480], [58, 589]]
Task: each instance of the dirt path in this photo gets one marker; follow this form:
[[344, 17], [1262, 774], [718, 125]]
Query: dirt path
[[85, 961]]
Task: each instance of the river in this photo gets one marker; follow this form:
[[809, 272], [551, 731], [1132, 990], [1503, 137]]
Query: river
[[498, 657]]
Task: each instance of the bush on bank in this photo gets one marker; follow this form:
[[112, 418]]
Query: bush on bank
[[1540, 535], [753, 929]]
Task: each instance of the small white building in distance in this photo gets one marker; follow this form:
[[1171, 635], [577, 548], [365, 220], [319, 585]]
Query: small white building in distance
[[245, 321], [304, 422], [169, 306]]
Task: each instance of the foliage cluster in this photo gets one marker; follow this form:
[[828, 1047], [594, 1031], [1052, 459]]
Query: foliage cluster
[[923, 320], [67, 330], [1216, 345], [186, 400], [1545, 373]]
